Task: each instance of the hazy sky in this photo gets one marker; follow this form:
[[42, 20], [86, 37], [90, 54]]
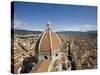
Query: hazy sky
[[34, 16]]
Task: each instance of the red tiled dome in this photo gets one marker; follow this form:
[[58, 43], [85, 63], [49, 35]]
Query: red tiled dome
[[48, 40]]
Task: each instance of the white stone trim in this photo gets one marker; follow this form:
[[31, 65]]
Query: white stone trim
[[50, 43]]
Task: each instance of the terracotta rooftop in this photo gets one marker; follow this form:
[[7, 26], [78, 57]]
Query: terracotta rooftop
[[42, 66]]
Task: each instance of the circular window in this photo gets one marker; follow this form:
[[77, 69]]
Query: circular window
[[45, 57], [56, 54]]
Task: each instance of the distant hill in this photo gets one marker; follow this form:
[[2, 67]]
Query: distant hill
[[88, 33], [25, 32], [76, 31]]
